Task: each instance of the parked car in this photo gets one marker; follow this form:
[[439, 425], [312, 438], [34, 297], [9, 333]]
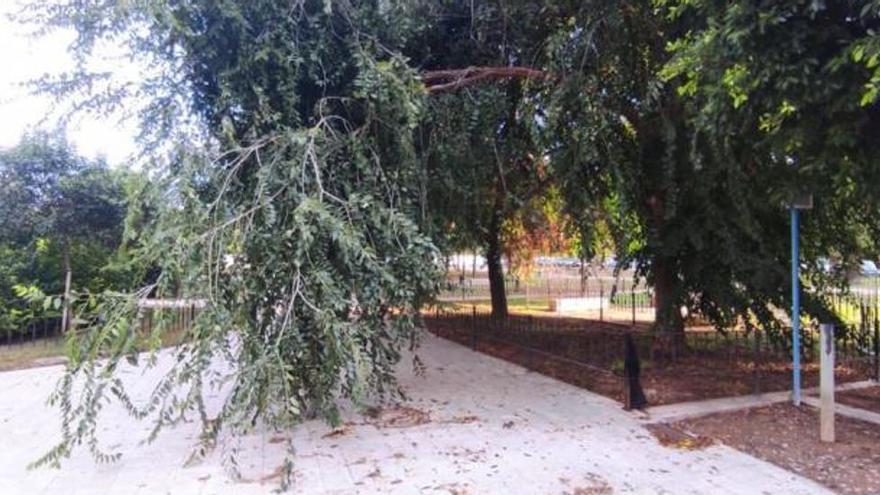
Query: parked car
[[869, 269]]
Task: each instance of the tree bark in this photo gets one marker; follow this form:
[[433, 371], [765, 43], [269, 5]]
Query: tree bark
[[65, 312], [583, 278], [496, 269], [474, 265], [667, 314]]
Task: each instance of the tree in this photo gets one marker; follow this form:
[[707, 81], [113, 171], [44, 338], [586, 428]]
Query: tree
[[484, 174], [698, 194], [50, 195], [484, 163], [538, 226], [302, 235], [749, 74]]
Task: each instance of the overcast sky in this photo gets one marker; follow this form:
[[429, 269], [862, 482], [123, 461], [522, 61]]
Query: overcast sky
[[23, 58]]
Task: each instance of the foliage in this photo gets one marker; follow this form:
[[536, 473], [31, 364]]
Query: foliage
[[792, 134], [53, 201], [334, 171], [302, 237], [539, 226]]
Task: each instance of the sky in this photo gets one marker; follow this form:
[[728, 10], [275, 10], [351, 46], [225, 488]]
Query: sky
[[23, 58]]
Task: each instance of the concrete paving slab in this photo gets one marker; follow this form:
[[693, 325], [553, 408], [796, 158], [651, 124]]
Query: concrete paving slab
[[848, 411], [685, 410], [492, 427]]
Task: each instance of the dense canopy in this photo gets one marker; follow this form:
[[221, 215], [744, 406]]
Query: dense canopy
[[344, 144]]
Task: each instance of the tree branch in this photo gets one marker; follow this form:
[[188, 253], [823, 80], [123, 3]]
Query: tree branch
[[440, 81]]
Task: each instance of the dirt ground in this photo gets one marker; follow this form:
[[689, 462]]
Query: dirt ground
[[699, 379], [688, 379], [789, 437]]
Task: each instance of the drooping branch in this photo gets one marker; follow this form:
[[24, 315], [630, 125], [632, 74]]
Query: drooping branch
[[440, 81]]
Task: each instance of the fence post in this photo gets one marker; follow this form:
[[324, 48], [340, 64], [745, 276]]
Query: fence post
[[876, 346], [756, 373], [826, 382], [474, 327], [634, 396], [601, 300], [632, 295]]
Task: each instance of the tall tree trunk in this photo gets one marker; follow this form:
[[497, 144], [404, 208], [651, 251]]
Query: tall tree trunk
[[474, 265], [65, 312], [583, 273], [668, 321], [496, 269], [667, 314]]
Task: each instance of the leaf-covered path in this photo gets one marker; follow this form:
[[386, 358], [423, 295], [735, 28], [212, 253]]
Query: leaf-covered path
[[474, 425]]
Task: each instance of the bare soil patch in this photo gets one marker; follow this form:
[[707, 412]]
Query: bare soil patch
[[693, 379], [689, 378], [789, 437]]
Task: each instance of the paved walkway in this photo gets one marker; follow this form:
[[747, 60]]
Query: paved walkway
[[479, 425]]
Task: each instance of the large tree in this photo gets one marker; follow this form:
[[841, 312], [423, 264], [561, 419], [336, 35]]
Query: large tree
[[302, 235], [782, 96]]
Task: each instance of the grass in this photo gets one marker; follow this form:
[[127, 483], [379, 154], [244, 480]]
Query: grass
[[30, 354], [20, 356], [520, 304], [517, 304], [625, 299]]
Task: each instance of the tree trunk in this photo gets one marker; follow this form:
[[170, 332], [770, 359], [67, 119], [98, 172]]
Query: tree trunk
[[583, 278], [667, 314], [474, 265], [65, 312], [496, 269], [668, 322]]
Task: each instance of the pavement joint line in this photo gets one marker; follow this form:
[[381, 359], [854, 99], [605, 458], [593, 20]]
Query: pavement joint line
[[687, 410]]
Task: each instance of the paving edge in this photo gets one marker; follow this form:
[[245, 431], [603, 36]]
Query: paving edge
[[687, 410], [848, 411]]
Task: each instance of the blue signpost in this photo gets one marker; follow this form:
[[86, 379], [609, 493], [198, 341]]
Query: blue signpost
[[799, 202], [795, 306]]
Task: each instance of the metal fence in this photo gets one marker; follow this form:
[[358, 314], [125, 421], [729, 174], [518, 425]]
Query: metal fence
[[174, 316], [600, 345], [622, 300], [37, 329]]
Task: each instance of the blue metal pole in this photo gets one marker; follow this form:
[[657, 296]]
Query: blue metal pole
[[795, 308]]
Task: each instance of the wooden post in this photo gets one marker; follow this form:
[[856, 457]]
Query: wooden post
[[634, 396], [632, 296], [876, 343], [474, 327], [756, 365], [826, 383]]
